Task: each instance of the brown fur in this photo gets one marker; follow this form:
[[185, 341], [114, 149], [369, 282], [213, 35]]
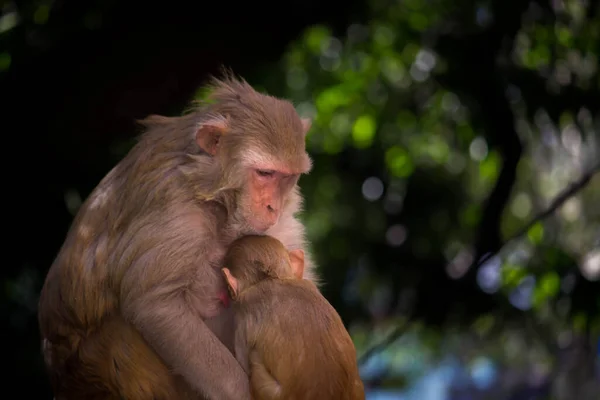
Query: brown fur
[[137, 276], [288, 337], [136, 371]]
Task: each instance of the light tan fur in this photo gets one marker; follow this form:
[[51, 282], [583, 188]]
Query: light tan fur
[[288, 338], [143, 254]]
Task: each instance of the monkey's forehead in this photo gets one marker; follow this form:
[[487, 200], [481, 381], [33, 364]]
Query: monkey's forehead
[[287, 161], [259, 112], [268, 129]]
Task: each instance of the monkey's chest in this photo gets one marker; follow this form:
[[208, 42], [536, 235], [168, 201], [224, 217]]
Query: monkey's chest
[[208, 294]]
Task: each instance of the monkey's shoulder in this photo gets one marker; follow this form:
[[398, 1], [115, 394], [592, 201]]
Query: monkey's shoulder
[[283, 292], [293, 306]]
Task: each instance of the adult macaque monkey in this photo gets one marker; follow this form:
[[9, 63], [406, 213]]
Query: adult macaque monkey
[[136, 289], [288, 338]]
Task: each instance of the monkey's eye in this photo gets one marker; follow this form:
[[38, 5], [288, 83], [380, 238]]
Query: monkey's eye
[[265, 172]]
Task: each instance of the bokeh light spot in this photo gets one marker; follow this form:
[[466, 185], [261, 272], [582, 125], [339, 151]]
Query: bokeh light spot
[[363, 131], [372, 188], [8, 21], [590, 267], [488, 275], [478, 149], [521, 205], [396, 235], [315, 37]]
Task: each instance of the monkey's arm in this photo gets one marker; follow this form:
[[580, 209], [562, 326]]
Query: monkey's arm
[[250, 351], [241, 342], [161, 311]]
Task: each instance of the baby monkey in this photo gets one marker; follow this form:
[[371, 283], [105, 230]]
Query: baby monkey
[[288, 338]]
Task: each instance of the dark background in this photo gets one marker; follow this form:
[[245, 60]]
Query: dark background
[[75, 75]]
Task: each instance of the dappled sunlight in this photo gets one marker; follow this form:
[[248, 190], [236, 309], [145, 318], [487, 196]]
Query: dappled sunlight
[[478, 149], [521, 206], [8, 20], [590, 266], [460, 264], [489, 275]]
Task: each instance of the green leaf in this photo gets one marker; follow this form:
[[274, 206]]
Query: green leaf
[[535, 234], [484, 324], [330, 99], [418, 21], [550, 284], [538, 298], [541, 34], [470, 215], [490, 167], [406, 120], [512, 275], [332, 144], [398, 162], [40, 16], [465, 133], [363, 131], [579, 322], [437, 149], [564, 35], [540, 56], [295, 57], [5, 61], [384, 36], [315, 37]]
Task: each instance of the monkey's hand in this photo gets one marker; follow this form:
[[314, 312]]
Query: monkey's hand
[[157, 305], [186, 344]]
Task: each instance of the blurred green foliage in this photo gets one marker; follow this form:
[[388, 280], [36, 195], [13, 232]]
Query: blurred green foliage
[[385, 124]]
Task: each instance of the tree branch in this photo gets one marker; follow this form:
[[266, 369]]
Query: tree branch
[[485, 90], [573, 189], [387, 341]]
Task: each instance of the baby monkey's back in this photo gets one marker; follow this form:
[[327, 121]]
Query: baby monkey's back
[[298, 347], [288, 338]]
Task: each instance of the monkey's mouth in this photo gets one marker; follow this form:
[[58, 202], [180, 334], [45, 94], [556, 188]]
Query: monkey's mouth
[[263, 228], [258, 226]]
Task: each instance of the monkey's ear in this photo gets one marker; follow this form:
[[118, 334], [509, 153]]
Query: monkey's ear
[[208, 135], [306, 124], [297, 261], [232, 283]]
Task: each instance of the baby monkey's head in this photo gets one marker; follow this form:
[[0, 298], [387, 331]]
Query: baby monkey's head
[[251, 259]]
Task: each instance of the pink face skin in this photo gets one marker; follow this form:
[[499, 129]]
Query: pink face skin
[[268, 190]]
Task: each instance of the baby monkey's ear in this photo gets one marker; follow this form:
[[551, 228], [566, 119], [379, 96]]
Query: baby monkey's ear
[[297, 261], [232, 283]]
